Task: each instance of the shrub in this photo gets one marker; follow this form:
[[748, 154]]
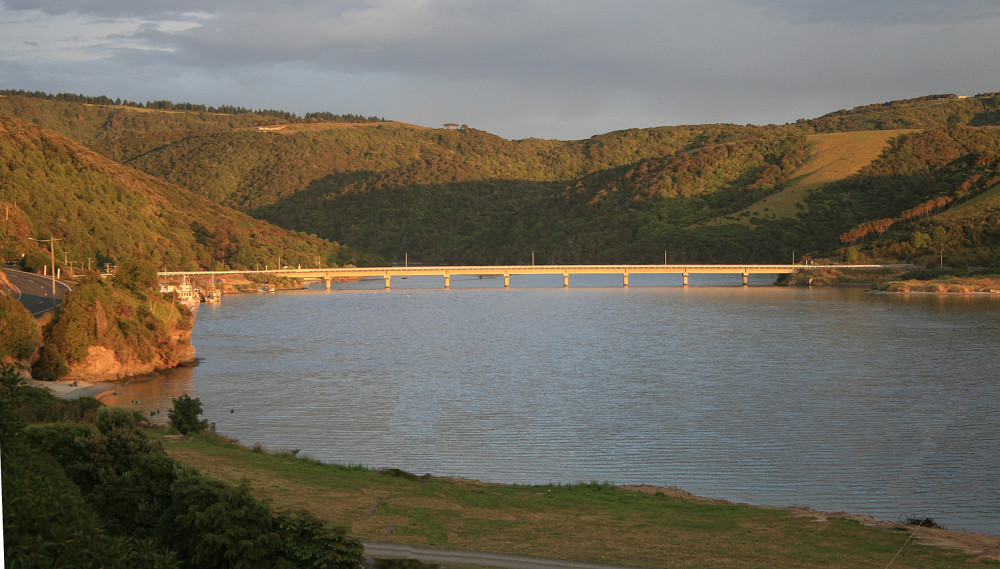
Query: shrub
[[110, 418], [33, 261], [20, 335], [51, 365], [183, 417], [136, 276]]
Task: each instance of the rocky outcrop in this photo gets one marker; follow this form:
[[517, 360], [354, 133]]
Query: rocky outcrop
[[104, 364]]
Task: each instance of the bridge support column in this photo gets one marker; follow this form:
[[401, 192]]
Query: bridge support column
[[685, 275], [565, 279], [447, 280], [625, 280], [506, 280], [746, 278], [326, 282], [387, 279]]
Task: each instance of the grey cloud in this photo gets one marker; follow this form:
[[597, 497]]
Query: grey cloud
[[886, 12], [110, 8], [516, 65]]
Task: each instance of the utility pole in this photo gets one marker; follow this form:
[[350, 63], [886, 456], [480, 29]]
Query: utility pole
[[52, 250]]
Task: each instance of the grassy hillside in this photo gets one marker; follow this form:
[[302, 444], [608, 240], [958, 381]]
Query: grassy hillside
[[831, 157], [852, 184], [103, 211]]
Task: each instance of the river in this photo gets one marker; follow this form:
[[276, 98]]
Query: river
[[832, 398]]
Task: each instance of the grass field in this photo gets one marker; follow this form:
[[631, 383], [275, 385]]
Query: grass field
[[831, 157], [587, 522]]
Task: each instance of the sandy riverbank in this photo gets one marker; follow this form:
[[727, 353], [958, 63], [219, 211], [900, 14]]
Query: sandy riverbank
[[76, 389]]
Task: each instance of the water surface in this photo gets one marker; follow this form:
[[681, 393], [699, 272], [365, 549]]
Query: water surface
[[824, 397]]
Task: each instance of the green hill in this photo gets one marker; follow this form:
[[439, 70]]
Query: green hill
[[101, 212], [859, 182]]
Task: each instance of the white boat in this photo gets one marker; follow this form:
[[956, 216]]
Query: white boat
[[185, 293]]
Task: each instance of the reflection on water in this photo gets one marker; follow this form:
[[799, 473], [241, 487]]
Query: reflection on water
[[154, 397], [830, 398]]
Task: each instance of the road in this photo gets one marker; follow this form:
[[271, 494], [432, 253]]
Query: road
[[428, 555], [35, 291]]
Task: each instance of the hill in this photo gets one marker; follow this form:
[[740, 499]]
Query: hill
[[101, 212], [870, 182]]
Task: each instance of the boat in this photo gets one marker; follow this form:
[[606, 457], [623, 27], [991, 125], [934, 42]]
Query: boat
[[185, 293], [267, 288], [213, 295]]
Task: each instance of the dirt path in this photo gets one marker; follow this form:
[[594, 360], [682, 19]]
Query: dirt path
[[427, 555]]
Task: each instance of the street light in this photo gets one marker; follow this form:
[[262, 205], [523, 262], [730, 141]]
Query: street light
[[52, 249]]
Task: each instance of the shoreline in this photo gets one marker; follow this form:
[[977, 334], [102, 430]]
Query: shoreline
[[76, 389], [982, 545]]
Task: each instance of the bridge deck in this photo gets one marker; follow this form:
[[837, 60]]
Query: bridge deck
[[447, 271]]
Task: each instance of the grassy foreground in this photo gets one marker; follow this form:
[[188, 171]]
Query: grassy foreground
[[587, 522]]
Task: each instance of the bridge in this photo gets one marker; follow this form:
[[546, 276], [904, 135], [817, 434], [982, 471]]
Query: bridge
[[327, 275]]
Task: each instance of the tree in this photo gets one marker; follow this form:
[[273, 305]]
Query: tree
[[940, 237], [20, 335], [33, 261], [183, 417], [214, 525], [851, 255], [137, 276], [309, 543]]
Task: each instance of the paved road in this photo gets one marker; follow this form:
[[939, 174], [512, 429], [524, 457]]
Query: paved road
[[35, 291], [427, 555]]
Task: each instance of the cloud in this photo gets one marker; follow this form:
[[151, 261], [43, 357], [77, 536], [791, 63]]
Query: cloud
[[886, 12], [515, 67]]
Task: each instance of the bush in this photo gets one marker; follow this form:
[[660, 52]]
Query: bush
[[20, 335], [136, 276], [51, 365], [308, 542], [33, 261], [110, 418], [183, 417]]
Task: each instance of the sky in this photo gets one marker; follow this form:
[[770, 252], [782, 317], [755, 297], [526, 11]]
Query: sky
[[563, 69]]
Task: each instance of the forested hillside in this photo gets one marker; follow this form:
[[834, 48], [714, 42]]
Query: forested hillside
[[101, 211], [699, 193]]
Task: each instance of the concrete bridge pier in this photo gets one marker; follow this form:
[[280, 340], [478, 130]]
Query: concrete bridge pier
[[387, 279], [506, 280], [625, 280], [565, 279], [746, 278], [447, 280], [685, 275], [326, 282]]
